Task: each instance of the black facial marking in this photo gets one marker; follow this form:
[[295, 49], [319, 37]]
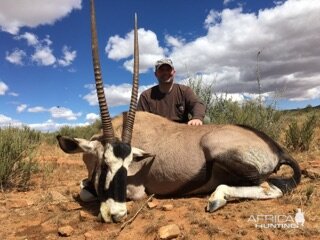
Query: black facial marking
[[118, 186], [102, 192], [121, 150]]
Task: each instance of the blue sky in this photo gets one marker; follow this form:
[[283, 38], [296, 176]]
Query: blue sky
[[46, 71]]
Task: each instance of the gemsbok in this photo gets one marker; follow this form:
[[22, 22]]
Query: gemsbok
[[157, 156]]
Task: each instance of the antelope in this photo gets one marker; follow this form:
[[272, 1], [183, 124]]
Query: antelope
[[158, 156]]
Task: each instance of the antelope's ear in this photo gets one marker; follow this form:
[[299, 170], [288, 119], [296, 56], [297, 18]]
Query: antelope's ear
[[75, 145], [139, 154]]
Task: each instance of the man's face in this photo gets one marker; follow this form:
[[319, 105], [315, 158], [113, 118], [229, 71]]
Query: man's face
[[165, 74]]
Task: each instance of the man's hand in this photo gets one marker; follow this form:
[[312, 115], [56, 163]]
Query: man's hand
[[195, 122]]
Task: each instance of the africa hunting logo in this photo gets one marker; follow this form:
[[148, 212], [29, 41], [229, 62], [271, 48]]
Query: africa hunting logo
[[278, 221]]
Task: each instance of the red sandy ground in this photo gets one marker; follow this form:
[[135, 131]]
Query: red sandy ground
[[52, 202]]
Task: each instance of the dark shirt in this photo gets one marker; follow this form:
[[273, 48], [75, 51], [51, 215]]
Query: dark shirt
[[175, 105]]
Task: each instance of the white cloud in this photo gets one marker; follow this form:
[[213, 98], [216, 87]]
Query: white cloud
[[116, 95], [174, 41], [52, 126], [37, 109], [149, 49], [286, 35], [43, 56], [48, 126], [16, 56], [31, 38], [21, 108], [279, 2], [6, 121], [3, 88], [92, 117], [212, 18], [68, 56], [14, 94], [61, 112], [56, 112], [43, 52], [15, 14]]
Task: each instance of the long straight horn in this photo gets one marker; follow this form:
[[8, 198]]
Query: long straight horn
[[127, 131], [107, 129]]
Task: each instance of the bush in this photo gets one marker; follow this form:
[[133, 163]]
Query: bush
[[202, 90], [17, 149], [85, 132], [49, 138], [299, 138], [222, 110], [249, 113], [292, 136]]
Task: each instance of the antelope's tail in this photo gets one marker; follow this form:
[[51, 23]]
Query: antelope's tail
[[289, 183]]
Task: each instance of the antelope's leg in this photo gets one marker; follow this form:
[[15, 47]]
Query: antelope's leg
[[223, 193]]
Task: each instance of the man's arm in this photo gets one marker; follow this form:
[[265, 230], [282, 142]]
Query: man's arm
[[196, 107]]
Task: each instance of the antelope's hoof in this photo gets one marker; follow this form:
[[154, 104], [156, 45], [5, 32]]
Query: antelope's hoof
[[216, 204]]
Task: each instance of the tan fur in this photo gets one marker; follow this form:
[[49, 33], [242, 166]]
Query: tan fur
[[182, 151], [226, 161]]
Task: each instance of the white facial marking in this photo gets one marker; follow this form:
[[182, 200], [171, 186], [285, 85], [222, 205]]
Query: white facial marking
[[111, 210], [114, 163]]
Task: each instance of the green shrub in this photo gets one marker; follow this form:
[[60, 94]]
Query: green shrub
[[292, 136], [249, 113], [85, 132], [204, 91], [307, 132], [81, 132], [17, 149], [49, 138], [299, 138], [223, 110]]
